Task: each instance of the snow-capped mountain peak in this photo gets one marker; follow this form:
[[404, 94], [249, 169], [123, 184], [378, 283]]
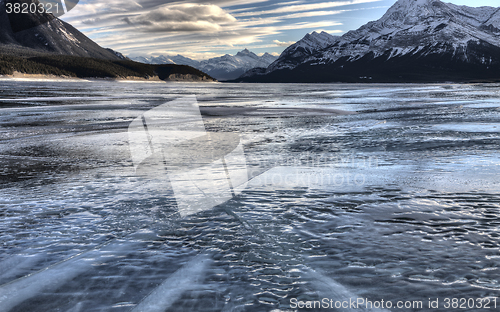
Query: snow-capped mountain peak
[[409, 25], [246, 52], [411, 12], [411, 29], [316, 40], [225, 67], [302, 50]]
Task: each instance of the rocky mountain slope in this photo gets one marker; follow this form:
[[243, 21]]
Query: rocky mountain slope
[[226, 67], [54, 37], [415, 40], [53, 47]]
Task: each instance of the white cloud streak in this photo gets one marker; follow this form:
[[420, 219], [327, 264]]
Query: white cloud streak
[[304, 7], [283, 44]]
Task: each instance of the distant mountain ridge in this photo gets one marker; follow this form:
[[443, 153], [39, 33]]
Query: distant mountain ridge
[[225, 67], [415, 40]]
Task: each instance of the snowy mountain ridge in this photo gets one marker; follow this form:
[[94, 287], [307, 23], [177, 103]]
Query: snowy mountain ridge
[[303, 50], [225, 67], [411, 25], [410, 28]]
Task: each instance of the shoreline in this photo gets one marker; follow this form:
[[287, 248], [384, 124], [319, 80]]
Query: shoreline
[[180, 78], [155, 79]]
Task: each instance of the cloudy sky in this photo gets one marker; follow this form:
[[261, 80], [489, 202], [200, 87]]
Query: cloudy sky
[[201, 29]]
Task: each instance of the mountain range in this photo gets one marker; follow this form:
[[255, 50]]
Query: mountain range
[[226, 67], [415, 41]]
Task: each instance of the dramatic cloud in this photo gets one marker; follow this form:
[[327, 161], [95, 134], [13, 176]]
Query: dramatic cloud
[[182, 17], [208, 28]]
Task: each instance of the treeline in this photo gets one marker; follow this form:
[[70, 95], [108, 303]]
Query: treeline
[[82, 67]]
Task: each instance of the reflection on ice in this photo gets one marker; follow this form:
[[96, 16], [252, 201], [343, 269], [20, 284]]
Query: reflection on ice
[[52, 278], [186, 278]]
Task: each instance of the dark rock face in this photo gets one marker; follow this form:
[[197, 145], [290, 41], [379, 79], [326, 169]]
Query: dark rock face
[[43, 33], [42, 44], [26, 14]]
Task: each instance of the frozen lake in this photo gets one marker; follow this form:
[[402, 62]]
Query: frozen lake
[[371, 192]]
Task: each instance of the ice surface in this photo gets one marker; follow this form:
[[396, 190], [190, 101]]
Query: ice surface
[[396, 201], [53, 277], [184, 279]]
